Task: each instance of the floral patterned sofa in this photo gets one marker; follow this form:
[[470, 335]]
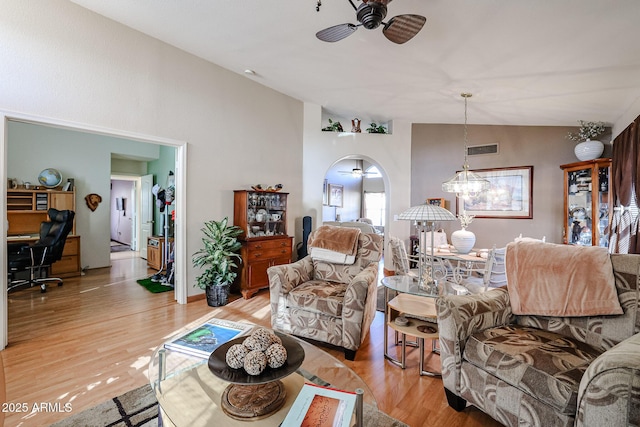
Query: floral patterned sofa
[[327, 302], [544, 371]]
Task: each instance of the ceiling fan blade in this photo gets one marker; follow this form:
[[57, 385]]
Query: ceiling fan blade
[[336, 33], [402, 28]]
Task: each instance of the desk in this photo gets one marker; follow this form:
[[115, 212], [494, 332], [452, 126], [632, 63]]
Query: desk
[[67, 266]]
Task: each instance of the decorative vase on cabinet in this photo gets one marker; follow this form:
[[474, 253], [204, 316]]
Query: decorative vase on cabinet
[[589, 150], [263, 217]]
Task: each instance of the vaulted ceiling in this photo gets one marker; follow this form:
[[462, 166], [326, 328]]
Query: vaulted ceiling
[[541, 62]]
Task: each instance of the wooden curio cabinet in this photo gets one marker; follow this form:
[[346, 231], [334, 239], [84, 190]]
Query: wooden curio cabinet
[[262, 215], [586, 202]]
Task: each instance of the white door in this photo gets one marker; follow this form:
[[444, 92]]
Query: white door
[[146, 213]]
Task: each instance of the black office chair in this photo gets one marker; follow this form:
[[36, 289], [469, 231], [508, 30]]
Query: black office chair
[[38, 257]]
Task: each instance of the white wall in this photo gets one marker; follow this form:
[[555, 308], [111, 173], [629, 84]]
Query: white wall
[[70, 64], [390, 153]]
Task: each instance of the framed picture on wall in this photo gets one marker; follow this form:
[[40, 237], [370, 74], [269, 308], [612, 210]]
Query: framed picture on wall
[[510, 194], [335, 195]]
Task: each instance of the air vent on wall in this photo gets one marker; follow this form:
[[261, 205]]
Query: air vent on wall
[[476, 150]]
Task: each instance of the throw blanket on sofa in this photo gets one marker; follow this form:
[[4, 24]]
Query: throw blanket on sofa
[[560, 280], [334, 244]]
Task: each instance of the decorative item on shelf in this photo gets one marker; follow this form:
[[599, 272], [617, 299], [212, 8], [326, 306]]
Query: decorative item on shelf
[[333, 127], [425, 217], [93, 200], [218, 258], [50, 178], [463, 240], [588, 148], [269, 189], [355, 125], [465, 183], [376, 128]]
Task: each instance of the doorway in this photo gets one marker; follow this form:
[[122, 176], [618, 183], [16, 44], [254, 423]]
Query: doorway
[[180, 182]]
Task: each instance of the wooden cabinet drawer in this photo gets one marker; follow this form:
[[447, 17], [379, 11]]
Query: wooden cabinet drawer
[[66, 264], [71, 246], [270, 253], [269, 244]]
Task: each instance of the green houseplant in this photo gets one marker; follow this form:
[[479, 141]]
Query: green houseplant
[[218, 259]]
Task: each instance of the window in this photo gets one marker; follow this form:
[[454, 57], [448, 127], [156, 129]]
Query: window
[[374, 204]]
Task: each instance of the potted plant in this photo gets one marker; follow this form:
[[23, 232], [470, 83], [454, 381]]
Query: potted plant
[[333, 127], [376, 128], [218, 257], [588, 148]]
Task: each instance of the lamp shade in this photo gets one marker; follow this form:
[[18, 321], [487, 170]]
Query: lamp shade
[[427, 212]]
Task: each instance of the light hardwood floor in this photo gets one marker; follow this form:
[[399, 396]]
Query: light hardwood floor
[[92, 338]]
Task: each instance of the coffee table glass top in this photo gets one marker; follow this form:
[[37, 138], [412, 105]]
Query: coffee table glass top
[[405, 284], [190, 394]]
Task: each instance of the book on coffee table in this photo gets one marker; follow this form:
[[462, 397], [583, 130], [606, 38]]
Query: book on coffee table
[[320, 406], [201, 341]]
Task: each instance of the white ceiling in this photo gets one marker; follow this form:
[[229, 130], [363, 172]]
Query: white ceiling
[[526, 62]]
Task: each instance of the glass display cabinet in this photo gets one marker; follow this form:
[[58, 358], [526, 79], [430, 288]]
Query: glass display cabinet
[[586, 202], [262, 215]]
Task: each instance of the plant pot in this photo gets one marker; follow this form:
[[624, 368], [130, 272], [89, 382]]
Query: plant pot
[[588, 150], [463, 240], [217, 296]]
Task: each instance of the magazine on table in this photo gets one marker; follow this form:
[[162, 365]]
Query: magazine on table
[[202, 340], [318, 406]]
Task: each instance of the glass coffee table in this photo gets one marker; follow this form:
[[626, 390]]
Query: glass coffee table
[[189, 394]]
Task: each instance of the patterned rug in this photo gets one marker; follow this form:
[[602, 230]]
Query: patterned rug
[[139, 408]]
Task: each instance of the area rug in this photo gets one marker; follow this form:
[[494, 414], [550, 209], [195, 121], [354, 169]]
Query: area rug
[[139, 408], [154, 287]]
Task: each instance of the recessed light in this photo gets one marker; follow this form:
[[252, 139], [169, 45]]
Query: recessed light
[[249, 72]]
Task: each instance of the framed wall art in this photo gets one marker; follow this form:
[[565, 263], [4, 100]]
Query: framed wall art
[[335, 195], [510, 194]]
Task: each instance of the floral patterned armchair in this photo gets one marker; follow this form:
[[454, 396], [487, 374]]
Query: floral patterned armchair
[[332, 303], [544, 371]]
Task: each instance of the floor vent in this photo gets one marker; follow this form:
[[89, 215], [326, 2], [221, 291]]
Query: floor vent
[[477, 150]]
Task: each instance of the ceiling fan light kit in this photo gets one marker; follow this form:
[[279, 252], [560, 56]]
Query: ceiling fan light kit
[[370, 15]]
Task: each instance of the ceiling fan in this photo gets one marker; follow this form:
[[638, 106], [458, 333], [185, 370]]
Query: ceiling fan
[[370, 14], [357, 172]]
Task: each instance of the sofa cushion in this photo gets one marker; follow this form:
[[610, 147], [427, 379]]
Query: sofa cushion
[[542, 364], [318, 296]]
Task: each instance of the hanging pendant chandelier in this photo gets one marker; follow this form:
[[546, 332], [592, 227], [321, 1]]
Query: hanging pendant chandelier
[[465, 183]]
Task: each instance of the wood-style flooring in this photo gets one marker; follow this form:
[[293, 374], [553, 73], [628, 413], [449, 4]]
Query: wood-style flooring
[[92, 338]]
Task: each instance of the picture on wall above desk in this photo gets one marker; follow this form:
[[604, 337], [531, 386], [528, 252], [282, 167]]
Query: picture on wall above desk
[[510, 194]]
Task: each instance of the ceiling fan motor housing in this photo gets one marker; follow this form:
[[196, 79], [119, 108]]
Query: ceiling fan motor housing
[[371, 14]]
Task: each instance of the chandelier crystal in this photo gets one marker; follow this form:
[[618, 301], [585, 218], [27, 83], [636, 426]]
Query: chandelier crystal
[[465, 183]]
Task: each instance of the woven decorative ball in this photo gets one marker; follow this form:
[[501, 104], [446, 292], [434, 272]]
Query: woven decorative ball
[[257, 342], [276, 355], [235, 356], [255, 362]]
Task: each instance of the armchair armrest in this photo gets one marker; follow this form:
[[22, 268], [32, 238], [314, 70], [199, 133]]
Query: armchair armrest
[[459, 316], [359, 307], [282, 279], [609, 392]]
